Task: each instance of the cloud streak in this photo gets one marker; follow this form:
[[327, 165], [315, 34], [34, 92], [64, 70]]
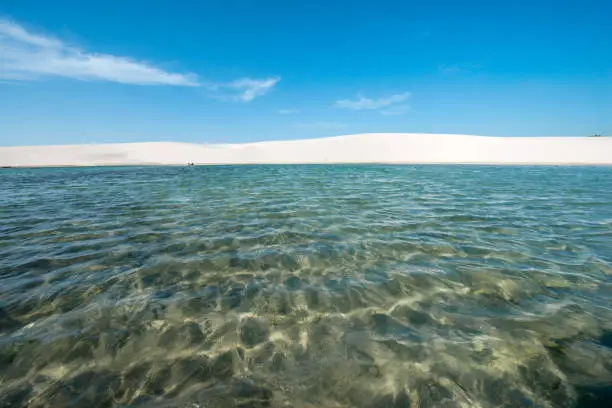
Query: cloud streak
[[241, 90], [27, 56], [364, 103]]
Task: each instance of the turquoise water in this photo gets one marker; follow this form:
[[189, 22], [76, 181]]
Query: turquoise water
[[306, 286]]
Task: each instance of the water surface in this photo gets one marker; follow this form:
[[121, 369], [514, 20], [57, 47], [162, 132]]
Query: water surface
[[306, 286]]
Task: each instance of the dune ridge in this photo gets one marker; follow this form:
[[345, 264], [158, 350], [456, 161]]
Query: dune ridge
[[359, 148]]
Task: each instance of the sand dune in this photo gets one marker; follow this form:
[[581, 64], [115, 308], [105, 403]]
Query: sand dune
[[362, 148]]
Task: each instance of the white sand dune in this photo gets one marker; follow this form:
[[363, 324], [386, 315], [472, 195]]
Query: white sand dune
[[362, 148]]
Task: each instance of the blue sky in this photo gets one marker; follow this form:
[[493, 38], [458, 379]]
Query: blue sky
[[238, 71]]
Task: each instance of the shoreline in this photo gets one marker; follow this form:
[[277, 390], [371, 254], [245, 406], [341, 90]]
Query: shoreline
[[483, 164]]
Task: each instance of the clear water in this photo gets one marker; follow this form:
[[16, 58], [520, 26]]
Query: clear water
[[306, 286]]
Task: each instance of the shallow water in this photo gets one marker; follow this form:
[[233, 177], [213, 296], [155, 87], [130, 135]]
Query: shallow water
[[306, 286]]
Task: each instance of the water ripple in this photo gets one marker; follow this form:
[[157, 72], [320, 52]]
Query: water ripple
[[306, 286]]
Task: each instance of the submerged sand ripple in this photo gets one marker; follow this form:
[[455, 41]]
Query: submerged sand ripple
[[306, 286]]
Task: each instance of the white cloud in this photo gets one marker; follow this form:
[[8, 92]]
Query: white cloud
[[364, 103], [25, 56], [252, 88], [241, 90], [18, 33], [322, 125], [288, 111]]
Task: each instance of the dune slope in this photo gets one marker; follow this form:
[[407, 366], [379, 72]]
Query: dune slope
[[362, 148]]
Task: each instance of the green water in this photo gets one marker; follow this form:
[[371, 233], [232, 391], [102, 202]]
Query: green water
[[306, 286]]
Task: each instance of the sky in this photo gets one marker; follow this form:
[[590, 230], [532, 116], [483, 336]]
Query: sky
[[230, 71]]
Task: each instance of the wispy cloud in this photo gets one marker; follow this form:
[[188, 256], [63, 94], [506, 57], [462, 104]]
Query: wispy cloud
[[250, 89], [27, 56], [288, 111], [241, 90], [322, 125], [364, 103]]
